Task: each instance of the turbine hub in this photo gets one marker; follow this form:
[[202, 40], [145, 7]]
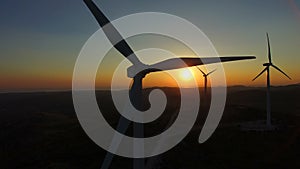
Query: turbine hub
[[133, 70], [267, 64]]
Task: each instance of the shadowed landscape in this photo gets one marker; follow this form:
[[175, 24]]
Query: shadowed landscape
[[50, 49], [41, 130]]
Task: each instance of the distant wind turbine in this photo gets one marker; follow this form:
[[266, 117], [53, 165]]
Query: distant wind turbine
[[267, 68], [205, 78]]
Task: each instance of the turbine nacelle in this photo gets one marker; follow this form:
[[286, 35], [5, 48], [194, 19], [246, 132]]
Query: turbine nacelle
[[141, 69], [267, 64]]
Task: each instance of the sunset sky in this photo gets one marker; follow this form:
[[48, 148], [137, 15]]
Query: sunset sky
[[40, 40]]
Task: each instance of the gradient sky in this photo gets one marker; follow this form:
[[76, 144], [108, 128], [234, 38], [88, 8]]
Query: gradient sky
[[40, 40]]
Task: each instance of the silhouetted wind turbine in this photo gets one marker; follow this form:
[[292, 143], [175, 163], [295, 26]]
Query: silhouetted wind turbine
[[139, 70], [267, 68], [205, 78]]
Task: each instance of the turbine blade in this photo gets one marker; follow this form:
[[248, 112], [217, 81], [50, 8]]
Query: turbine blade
[[260, 73], [112, 33], [281, 71], [269, 49], [177, 63], [234, 58], [201, 71], [211, 72]]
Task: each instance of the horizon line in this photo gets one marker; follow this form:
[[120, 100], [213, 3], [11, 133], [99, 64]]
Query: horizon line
[[105, 89]]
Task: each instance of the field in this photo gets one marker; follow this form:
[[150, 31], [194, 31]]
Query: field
[[41, 130]]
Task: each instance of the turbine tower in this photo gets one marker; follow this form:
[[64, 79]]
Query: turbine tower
[[267, 68], [205, 78], [139, 70]]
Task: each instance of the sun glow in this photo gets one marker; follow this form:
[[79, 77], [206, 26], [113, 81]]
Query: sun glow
[[186, 75]]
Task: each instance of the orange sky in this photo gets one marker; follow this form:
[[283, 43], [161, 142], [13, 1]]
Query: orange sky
[[60, 77]]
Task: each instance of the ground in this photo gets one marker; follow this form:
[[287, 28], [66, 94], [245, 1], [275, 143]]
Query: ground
[[41, 130]]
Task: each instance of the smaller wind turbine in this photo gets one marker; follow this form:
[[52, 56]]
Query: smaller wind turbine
[[267, 68], [205, 78]]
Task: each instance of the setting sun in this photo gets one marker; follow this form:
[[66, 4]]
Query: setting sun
[[186, 75]]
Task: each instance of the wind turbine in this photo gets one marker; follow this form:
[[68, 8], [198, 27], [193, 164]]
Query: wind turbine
[[139, 70], [267, 68], [205, 78]]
